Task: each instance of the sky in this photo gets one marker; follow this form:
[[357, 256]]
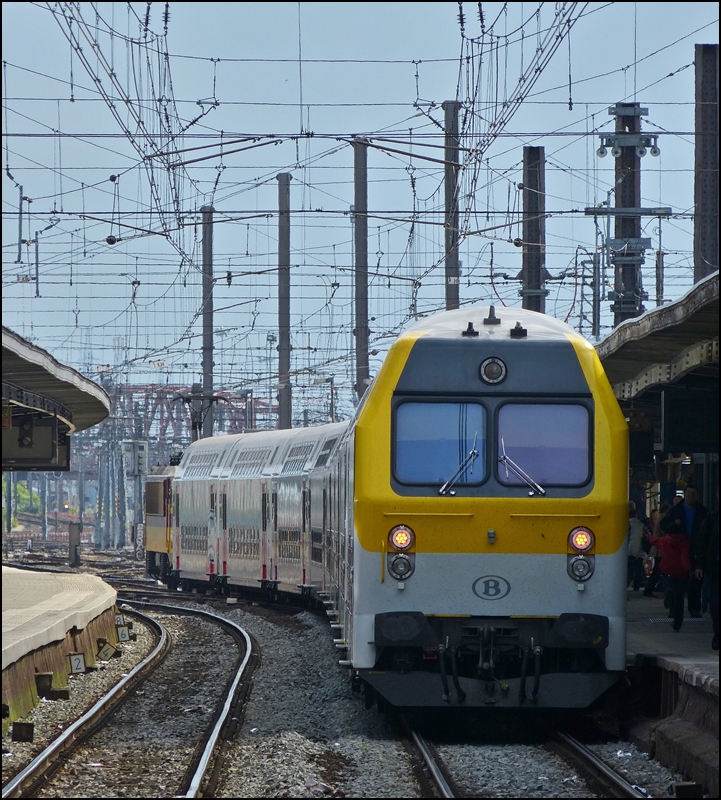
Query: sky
[[100, 137]]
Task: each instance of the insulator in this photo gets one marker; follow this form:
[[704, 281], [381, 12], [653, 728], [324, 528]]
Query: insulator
[[461, 17]]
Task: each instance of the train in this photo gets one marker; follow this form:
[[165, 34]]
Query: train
[[465, 531]]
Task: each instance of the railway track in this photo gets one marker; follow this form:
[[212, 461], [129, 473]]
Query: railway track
[[593, 769], [598, 775], [135, 585], [55, 554], [436, 773], [29, 780], [67, 756]]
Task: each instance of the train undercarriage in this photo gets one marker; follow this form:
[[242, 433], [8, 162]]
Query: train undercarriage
[[490, 661]]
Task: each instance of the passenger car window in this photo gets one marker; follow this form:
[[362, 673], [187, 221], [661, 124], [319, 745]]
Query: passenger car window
[[550, 442], [433, 439]]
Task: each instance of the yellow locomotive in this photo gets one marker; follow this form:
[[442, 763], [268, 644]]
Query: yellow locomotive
[[466, 531]]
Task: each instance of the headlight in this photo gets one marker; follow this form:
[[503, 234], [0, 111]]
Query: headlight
[[401, 567], [581, 539], [401, 537], [580, 568]]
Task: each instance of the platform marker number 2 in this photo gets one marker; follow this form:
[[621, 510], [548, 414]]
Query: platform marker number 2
[[77, 663]]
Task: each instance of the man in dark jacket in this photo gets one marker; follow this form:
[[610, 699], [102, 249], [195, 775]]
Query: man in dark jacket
[[686, 518], [707, 565]]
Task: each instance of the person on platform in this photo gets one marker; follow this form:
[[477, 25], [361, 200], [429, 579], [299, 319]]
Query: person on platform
[[675, 568], [686, 518], [635, 547], [653, 552], [662, 511], [707, 564], [658, 531]]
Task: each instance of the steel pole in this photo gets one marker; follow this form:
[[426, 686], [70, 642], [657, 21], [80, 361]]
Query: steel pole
[[451, 197], [207, 403], [360, 219], [285, 415]]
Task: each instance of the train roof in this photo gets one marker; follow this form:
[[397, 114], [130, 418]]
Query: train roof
[[161, 473], [261, 453], [452, 324]]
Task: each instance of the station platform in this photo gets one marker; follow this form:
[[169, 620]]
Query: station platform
[[686, 736], [649, 634], [45, 617]]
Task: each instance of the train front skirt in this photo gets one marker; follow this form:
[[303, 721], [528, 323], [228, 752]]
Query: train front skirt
[[559, 690]]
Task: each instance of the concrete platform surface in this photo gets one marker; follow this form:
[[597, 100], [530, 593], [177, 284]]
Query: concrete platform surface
[[41, 607], [687, 652]]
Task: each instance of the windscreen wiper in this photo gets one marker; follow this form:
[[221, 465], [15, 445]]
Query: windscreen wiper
[[507, 462], [472, 455]]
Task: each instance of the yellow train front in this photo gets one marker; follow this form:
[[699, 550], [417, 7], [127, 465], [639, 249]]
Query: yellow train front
[[466, 531], [158, 534], [490, 518]]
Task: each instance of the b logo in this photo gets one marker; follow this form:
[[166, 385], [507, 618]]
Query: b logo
[[491, 587]]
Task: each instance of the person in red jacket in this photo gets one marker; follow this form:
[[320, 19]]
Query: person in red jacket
[[675, 568]]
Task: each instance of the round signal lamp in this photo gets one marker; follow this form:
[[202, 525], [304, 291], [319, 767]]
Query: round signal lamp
[[492, 370], [580, 568], [401, 537], [401, 567], [581, 539]]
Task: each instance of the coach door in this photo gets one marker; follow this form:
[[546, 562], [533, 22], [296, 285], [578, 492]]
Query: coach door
[[304, 529], [273, 531], [326, 537], [213, 536], [176, 530], [223, 551], [264, 514]]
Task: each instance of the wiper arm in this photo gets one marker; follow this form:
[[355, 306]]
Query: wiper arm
[[472, 455], [527, 479]]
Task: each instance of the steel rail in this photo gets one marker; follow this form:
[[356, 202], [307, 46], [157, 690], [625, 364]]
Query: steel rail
[[102, 709], [601, 771], [201, 769], [435, 771]]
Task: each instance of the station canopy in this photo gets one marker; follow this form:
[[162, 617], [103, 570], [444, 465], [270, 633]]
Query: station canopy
[[43, 403], [664, 370]]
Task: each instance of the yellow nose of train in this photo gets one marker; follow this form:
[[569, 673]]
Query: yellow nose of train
[[465, 532], [490, 515]]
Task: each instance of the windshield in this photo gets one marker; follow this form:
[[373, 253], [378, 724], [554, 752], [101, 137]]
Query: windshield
[[547, 441], [433, 439]]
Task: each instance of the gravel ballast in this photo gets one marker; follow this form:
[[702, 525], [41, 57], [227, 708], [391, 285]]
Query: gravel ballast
[[511, 770], [637, 767], [52, 717], [148, 745], [305, 734]]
